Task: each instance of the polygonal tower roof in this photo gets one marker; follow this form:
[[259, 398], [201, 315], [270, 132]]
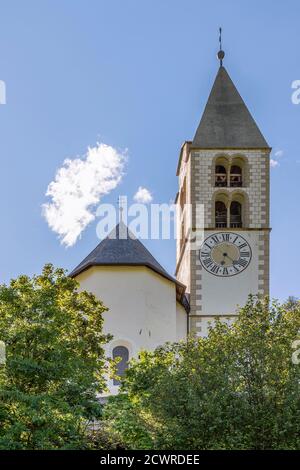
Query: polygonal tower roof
[[226, 121]]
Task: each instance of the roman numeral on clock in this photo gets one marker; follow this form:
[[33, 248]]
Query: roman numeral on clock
[[241, 262], [208, 262], [215, 268], [226, 237]]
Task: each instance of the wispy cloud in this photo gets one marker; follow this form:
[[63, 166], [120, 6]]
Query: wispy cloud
[[279, 154], [78, 186], [273, 163], [143, 195]]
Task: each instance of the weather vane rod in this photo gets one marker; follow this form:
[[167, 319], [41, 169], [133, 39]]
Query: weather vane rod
[[122, 202], [221, 53]]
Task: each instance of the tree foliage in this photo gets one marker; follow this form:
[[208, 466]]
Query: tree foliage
[[54, 362], [236, 389]]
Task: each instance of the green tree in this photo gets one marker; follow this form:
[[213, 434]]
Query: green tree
[[236, 389], [54, 362]]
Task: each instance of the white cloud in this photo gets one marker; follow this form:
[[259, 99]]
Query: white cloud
[[78, 185], [278, 154], [143, 195], [273, 163]]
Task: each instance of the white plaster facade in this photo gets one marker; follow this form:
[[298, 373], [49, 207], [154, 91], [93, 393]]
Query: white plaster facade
[[143, 311]]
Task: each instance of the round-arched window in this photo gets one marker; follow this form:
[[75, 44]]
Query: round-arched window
[[236, 176], [235, 214], [121, 353], [220, 214], [220, 176]]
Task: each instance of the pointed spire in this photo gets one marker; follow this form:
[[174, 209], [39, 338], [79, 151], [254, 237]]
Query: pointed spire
[[226, 121]]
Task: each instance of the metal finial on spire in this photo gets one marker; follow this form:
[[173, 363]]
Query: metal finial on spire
[[122, 201], [221, 53], [122, 226]]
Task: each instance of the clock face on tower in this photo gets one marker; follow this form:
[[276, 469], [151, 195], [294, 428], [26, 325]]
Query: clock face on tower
[[225, 254]]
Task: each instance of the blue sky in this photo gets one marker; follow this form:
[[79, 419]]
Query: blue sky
[[136, 75]]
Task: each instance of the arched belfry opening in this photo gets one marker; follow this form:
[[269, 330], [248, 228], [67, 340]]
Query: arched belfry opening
[[220, 176], [236, 179], [230, 209], [220, 214], [235, 214]]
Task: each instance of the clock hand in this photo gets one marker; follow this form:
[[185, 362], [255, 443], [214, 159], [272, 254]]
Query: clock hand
[[225, 255]]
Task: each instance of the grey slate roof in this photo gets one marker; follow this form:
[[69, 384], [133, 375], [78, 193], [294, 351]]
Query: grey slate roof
[[121, 248], [226, 121]]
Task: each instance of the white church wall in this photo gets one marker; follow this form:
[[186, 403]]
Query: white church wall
[[184, 271], [142, 307], [181, 322]]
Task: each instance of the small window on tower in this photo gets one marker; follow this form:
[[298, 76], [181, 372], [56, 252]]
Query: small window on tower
[[220, 176], [236, 176], [221, 214], [122, 354]]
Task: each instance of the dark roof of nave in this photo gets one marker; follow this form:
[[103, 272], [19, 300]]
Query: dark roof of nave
[[226, 121], [122, 248]]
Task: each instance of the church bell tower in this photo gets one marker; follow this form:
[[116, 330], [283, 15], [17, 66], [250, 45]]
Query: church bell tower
[[224, 170]]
